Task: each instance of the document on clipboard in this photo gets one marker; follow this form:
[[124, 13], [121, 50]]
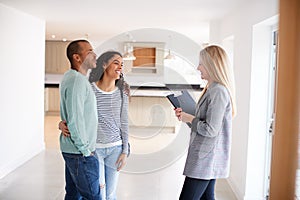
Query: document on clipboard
[[184, 101]]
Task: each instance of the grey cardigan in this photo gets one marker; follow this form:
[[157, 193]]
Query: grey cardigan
[[209, 150]]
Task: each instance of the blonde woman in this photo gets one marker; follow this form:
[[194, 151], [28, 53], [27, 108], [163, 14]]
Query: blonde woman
[[209, 151]]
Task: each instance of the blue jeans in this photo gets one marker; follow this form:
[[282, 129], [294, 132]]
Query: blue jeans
[[82, 177], [198, 189], [108, 171]]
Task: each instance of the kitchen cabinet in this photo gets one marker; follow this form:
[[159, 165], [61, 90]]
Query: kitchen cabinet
[[56, 61], [152, 112], [52, 100], [144, 57], [149, 58]]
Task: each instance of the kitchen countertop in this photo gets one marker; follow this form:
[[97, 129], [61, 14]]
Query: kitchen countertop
[[53, 78], [153, 81], [137, 88], [149, 93]]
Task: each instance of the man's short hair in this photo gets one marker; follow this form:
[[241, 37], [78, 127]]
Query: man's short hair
[[74, 48]]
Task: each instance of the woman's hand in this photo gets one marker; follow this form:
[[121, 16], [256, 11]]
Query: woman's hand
[[183, 116], [178, 113], [126, 88], [121, 161], [64, 128]]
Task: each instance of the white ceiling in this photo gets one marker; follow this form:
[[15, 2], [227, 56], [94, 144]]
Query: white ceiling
[[102, 20]]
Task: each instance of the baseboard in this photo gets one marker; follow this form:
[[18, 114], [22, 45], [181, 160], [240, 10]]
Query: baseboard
[[234, 187], [14, 164], [239, 195]]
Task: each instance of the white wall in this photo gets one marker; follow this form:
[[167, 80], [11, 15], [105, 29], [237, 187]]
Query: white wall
[[248, 153], [22, 54]]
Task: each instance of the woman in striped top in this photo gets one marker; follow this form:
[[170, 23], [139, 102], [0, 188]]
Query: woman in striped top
[[112, 133], [112, 105], [209, 150]]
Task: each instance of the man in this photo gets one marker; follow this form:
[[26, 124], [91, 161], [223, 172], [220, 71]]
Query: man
[[78, 109]]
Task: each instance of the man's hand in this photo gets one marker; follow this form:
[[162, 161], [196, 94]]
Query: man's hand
[[64, 128]]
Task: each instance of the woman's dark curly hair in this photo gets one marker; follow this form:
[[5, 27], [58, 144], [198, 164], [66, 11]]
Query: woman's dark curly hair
[[97, 73]]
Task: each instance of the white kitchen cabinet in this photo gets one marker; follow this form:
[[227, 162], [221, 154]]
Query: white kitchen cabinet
[[56, 61], [151, 112], [52, 101]]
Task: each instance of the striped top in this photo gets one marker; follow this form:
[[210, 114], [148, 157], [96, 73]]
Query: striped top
[[112, 127]]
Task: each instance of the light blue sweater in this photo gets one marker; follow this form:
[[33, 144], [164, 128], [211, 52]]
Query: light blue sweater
[[78, 108]]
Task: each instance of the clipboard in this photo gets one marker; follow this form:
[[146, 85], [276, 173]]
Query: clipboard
[[184, 101]]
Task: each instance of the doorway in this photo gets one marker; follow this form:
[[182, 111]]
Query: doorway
[[259, 144], [271, 107]]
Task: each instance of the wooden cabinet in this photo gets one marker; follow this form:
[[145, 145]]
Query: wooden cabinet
[[56, 61], [145, 57], [149, 58]]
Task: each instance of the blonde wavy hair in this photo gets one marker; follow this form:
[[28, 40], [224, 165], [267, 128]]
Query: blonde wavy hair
[[215, 60]]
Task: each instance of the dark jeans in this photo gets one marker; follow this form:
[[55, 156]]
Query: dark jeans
[[82, 177], [198, 189]]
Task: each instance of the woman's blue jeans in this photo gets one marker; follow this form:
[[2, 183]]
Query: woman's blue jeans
[[198, 189], [82, 177], [108, 171]]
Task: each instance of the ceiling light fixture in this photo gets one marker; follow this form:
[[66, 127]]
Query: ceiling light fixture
[[170, 56], [128, 55], [128, 48]]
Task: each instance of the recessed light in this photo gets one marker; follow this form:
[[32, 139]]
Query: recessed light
[[53, 36]]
